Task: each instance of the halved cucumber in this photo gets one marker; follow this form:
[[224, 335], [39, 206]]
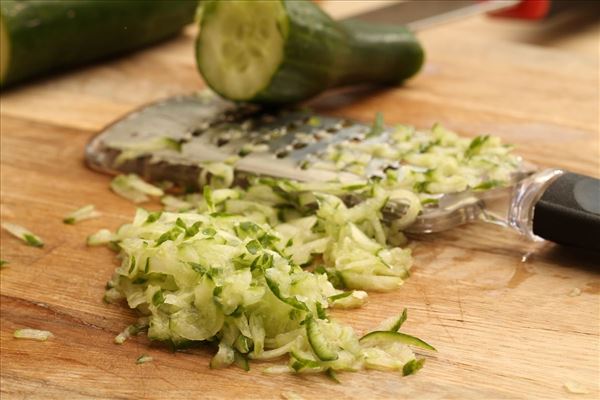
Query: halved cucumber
[[380, 338], [280, 51]]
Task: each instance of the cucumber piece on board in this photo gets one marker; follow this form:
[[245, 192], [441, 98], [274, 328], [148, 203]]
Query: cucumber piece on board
[[282, 51], [38, 36], [379, 338]]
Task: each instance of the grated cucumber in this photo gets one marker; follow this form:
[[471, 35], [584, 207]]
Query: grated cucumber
[[424, 163], [33, 334], [81, 214], [228, 270], [255, 270], [24, 234]]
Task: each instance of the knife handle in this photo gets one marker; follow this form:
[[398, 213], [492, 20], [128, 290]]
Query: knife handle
[[540, 9], [568, 212], [526, 9]]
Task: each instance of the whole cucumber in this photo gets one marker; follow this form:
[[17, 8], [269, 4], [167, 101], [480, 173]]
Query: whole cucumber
[[281, 51], [38, 36]]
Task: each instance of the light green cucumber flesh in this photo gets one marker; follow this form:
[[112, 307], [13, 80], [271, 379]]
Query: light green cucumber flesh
[[242, 46]]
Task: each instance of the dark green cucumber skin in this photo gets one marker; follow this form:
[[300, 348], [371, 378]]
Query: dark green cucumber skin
[[321, 53], [48, 35], [384, 54]]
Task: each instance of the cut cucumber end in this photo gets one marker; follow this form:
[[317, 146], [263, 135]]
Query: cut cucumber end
[[241, 45], [4, 51]]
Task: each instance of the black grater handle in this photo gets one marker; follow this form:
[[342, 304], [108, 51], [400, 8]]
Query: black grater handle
[[569, 212]]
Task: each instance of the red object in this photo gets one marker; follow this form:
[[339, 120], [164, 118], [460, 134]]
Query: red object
[[526, 9]]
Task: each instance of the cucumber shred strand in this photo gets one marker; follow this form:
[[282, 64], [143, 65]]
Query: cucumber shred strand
[[320, 346], [380, 337], [24, 234]]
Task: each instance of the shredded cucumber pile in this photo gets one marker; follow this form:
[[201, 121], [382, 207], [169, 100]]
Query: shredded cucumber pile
[[428, 163], [254, 271]]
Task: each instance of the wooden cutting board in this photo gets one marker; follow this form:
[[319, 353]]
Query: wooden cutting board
[[498, 309]]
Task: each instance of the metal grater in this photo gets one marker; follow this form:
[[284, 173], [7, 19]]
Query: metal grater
[[210, 129], [213, 130]]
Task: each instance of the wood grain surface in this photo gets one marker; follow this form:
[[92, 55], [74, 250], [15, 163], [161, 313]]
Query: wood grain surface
[[497, 308]]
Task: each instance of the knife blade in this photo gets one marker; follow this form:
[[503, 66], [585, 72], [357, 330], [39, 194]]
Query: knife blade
[[419, 14]]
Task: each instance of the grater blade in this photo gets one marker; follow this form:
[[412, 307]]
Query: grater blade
[[273, 142], [213, 130]]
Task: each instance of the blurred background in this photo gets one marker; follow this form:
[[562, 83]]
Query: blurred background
[[576, 28]]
